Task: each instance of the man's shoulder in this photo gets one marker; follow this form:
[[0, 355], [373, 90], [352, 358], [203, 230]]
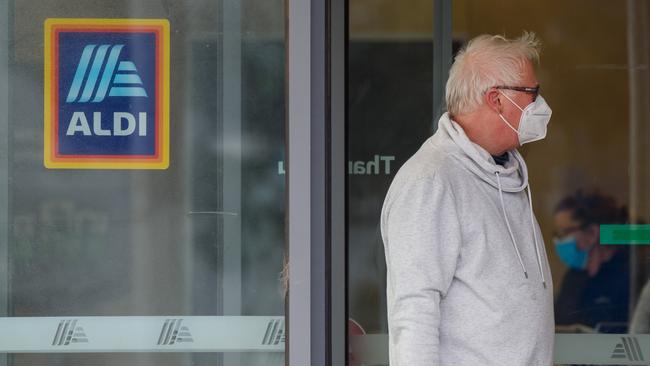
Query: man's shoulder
[[431, 167], [429, 173], [431, 160]]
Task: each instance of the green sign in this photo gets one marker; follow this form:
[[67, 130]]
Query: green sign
[[624, 234]]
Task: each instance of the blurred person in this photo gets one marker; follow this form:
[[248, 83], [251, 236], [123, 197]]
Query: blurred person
[[595, 289], [468, 281]]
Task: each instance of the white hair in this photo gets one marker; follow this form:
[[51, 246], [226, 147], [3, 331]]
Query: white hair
[[487, 61]]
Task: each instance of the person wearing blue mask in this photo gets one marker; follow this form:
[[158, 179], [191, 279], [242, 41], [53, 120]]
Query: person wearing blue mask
[[595, 289]]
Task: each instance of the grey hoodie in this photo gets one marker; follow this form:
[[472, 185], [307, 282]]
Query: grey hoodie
[[468, 281]]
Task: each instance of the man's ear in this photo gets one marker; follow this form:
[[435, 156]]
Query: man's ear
[[492, 99]]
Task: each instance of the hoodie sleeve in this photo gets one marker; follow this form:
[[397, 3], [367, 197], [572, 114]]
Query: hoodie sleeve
[[422, 239]]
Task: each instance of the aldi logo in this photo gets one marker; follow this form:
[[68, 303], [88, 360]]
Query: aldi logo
[[125, 76], [69, 332], [106, 94], [173, 332], [628, 349], [274, 333]]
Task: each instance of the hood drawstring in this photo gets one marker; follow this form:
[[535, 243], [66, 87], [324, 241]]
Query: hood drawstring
[[514, 242], [512, 236], [532, 223]]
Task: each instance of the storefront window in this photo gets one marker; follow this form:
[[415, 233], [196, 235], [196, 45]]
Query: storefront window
[[179, 263], [591, 169]]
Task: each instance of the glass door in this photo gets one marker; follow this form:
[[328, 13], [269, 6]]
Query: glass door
[[141, 205], [590, 174], [390, 114]]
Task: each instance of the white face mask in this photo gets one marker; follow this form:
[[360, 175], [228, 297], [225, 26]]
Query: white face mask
[[533, 120]]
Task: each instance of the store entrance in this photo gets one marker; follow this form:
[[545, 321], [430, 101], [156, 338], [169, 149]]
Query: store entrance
[[591, 169]]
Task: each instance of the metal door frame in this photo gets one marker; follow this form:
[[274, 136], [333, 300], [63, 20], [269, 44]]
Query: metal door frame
[[316, 153]]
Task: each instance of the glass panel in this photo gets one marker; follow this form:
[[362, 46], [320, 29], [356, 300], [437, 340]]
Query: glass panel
[[185, 258], [591, 170], [390, 101]]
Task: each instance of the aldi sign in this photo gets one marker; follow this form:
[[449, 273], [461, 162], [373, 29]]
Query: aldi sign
[[106, 94]]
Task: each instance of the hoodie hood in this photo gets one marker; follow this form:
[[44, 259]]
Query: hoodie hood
[[513, 176]]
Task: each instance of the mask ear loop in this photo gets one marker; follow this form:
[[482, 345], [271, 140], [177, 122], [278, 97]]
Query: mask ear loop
[[508, 124], [503, 118], [511, 101]]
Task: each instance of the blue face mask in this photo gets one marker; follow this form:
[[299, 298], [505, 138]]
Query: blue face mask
[[567, 250]]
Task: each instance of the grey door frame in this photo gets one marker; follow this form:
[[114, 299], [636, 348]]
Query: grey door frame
[[442, 55], [4, 163], [338, 181], [315, 130]]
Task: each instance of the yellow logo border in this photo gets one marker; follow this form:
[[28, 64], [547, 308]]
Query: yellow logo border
[[52, 162]]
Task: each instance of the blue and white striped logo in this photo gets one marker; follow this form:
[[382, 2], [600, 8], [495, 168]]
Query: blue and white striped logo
[[123, 82]]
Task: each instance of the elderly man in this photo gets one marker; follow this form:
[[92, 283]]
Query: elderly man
[[468, 281]]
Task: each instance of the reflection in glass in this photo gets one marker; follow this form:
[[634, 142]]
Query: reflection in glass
[[595, 291]]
